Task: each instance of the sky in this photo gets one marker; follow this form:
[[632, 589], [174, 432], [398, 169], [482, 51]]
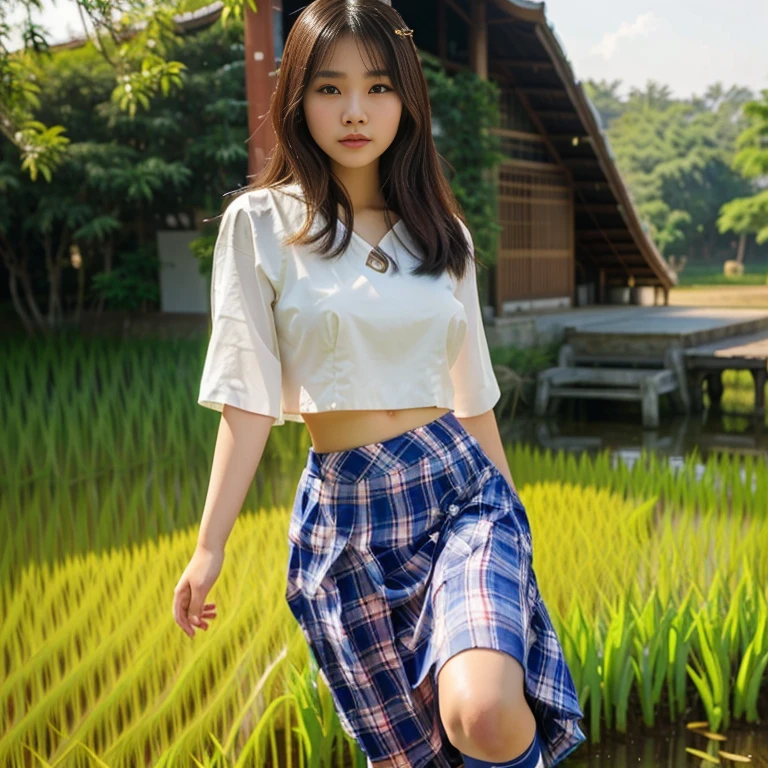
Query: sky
[[685, 44]]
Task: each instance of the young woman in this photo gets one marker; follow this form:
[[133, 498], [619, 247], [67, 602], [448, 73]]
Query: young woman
[[410, 553]]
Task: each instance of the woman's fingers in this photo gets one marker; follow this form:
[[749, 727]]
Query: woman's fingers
[[207, 614], [181, 598]]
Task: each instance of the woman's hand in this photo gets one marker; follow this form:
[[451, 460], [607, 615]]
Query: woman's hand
[[199, 576]]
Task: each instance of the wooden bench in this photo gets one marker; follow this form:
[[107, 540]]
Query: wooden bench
[[610, 377]]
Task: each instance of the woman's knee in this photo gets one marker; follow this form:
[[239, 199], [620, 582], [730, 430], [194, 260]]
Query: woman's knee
[[491, 728]]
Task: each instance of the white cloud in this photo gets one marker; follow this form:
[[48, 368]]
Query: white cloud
[[642, 26]]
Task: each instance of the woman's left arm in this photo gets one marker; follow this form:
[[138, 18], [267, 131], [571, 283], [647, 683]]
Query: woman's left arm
[[485, 429]]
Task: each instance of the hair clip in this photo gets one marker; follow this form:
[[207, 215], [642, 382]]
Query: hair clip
[[404, 32]]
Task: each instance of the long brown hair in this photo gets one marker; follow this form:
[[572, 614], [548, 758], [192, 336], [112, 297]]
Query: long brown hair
[[413, 186]]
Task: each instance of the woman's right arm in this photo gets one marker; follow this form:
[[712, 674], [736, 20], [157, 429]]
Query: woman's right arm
[[240, 444], [242, 379]]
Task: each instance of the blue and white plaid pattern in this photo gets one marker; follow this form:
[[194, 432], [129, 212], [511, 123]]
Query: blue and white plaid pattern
[[403, 553]]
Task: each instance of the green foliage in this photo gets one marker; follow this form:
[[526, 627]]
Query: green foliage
[[515, 369], [234, 9], [42, 148], [202, 250], [526, 361], [133, 285], [139, 87], [464, 109], [605, 97], [132, 38], [122, 175], [706, 274], [676, 157], [750, 214]]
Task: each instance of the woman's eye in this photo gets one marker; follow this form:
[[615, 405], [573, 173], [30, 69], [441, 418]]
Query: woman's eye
[[378, 85]]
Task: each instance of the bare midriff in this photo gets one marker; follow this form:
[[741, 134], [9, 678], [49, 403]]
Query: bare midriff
[[344, 430]]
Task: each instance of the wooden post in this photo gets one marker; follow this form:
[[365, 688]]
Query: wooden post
[[260, 78], [715, 388], [760, 377], [650, 403], [478, 63], [478, 45], [695, 386]]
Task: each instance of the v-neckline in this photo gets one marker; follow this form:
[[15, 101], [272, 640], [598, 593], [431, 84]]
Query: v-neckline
[[365, 242]]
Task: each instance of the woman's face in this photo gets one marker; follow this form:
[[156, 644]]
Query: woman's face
[[342, 99]]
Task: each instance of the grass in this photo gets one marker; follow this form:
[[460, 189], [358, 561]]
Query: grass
[[695, 275]]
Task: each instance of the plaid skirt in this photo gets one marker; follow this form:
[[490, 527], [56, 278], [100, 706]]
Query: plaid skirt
[[403, 553]]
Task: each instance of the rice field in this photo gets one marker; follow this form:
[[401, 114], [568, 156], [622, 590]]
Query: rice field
[[654, 574]]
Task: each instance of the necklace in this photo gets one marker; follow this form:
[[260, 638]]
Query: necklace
[[377, 260]]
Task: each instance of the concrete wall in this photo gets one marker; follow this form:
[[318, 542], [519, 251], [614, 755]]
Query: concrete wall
[[182, 287]]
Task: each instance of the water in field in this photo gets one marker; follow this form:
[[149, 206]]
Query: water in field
[[595, 426], [666, 747]]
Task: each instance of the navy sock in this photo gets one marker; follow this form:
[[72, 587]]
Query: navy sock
[[529, 759]]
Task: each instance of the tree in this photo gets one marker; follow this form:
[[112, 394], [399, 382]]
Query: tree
[[749, 215], [87, 239], [132, 36], [676, 155], [604, 95]]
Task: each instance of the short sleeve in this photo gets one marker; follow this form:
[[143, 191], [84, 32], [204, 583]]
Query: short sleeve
[[242, 364], [475, 387]]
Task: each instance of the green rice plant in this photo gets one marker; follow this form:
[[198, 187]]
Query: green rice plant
[[96, 658], [578, 635], [93, 650], [319, 729], [646, 635], [617, 666], [651, 654], [654, 575], [678, 648], [752, 667], [103, 443], [712, 677]]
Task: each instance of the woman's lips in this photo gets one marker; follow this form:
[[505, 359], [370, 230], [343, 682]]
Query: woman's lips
[[353, 143]]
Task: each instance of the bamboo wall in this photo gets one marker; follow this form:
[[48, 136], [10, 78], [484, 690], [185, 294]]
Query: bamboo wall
[[535, 253], [535, 258]]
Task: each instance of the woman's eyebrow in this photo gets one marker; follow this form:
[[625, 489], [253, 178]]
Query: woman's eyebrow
[[343, 75]]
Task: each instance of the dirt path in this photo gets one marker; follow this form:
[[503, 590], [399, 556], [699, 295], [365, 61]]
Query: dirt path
[[746, 296]]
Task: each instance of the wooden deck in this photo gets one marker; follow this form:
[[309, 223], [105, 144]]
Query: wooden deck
[[749, 352], [651, 330], [625, 353], [750, 347]]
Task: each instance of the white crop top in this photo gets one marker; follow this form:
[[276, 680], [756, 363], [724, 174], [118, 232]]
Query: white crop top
[[293, 333]]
